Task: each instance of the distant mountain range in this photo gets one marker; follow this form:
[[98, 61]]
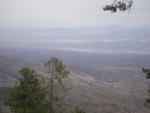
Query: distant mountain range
[[99, 39]]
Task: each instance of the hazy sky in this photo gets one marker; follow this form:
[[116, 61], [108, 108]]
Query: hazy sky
[[70, 13]]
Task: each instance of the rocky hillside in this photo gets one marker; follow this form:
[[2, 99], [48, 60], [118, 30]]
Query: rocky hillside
[[95, 89]]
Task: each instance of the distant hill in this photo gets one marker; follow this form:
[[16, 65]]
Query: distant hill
[[9, 67]]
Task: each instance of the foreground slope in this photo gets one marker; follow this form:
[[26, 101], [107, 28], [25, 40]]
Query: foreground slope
[[96, 89]]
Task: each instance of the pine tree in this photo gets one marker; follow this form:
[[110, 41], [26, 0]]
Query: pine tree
[[121, 5], [57, 71], [147, 73], [28, 96]]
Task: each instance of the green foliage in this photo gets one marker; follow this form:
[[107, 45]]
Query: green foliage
[[57, 71], [121, 5], [147, 73], [147, 103], [60, 68], [110, 7], [28, 96], [77, 110], [4, 94]]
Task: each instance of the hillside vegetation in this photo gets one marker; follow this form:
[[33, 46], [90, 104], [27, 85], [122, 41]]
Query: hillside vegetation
[[96, 89]]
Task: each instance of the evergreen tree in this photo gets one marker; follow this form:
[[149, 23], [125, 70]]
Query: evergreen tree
[[28, 96], [57, 71], [147, 73], [121, 5]]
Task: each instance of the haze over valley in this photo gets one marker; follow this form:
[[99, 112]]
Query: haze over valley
[[102, 45], [104, 64]]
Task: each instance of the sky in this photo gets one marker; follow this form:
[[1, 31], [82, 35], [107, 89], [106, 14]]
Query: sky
[[70, 13]]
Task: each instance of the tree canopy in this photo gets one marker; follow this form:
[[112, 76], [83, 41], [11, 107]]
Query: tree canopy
[[28, 96], [121, 5], [147, 73], [57, 71]]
